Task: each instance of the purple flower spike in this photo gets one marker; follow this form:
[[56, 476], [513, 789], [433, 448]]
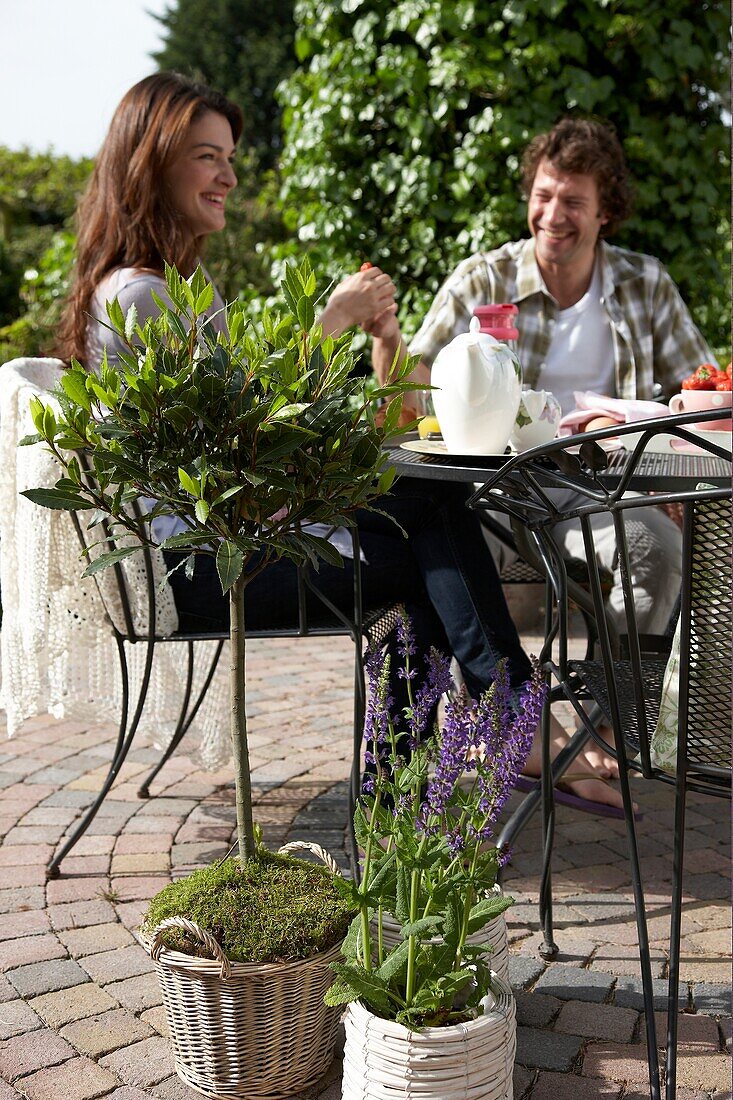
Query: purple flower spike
[[405, 637], [439, 682]]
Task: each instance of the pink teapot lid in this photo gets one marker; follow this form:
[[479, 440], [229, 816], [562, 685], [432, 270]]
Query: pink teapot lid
[[498, 320]]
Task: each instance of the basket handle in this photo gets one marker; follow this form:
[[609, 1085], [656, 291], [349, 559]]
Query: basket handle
[[316, 849], [157, 944]]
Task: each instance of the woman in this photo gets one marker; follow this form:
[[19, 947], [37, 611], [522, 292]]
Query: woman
[[158, 191]]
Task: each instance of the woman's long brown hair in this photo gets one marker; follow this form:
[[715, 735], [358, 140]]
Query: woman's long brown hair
[[125, 218]]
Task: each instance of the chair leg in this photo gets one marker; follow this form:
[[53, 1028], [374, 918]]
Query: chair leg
[[642, 932], [675, 933], [355, 775], [548, 949], [122, 747], [184, 718]]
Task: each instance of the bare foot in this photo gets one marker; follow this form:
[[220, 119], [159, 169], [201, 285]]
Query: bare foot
[[605, 766], [593, 788]]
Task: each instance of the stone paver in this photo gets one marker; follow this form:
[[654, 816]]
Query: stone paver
[[75, 1003], [112, 966], [143, 1064], [14, 953], [569, 982], [103, 1034], [79, 1079], [80, 1008], [564, 1086], [16, 1017], [23, 1054], [597, 1021], [95, 939], [619, 1062], [36, 978], [547, 1049]]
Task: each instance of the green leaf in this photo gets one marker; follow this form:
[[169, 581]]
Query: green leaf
[[190, 484], [229, 564], [365, 984], [228, 494], [394, 963], [116, 316], [37, 408], [306, 313], [57, 498], [49, 422], [131, 322], [340, 993], [204, 299], [104, 561], [288, 411], [201, 511], [74, 386], [186, 539], [423, 928], [487, 909]]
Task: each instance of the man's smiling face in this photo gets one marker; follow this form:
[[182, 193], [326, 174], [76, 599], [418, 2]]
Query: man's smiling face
[[564, 217]]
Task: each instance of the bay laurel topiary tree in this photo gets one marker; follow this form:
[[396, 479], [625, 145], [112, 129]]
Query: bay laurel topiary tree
[[245, 437], [405, 125]]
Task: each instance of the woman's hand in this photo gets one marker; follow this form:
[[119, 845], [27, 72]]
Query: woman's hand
[[366, 298]]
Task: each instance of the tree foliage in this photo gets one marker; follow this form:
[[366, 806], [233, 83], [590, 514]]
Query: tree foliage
[[246, 437], [38, 196], [405, 126], [242, 48]]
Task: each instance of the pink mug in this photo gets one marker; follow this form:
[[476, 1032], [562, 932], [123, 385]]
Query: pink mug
[[700, 400]]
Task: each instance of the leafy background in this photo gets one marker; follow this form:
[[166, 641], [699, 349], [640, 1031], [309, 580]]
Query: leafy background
[[396, 133]]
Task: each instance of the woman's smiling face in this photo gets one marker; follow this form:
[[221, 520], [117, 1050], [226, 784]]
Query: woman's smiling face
[[202, 176]]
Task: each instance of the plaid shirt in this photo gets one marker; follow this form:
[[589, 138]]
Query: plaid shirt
[[654, 337]]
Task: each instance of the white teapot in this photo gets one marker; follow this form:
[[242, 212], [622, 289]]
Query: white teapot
[[478, 384], [537, 419]]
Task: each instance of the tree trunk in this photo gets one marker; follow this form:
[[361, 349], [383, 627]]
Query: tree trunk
[[238, 723]]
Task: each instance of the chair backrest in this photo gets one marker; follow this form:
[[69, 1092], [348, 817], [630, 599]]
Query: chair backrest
[[705, 642], [577, 479]]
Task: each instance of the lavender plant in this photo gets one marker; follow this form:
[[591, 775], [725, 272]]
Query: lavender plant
[[425, 822]]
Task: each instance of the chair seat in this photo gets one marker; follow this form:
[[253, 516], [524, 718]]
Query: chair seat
[[591, 674], [704, 756]]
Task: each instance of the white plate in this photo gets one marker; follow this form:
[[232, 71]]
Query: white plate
[[438, 447], [666, 444]]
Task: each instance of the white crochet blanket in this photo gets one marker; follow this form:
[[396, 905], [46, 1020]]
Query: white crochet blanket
[[59, 654]]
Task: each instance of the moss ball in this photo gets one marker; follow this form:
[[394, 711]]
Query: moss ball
[[270, 909]]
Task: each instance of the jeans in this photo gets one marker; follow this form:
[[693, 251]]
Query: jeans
[[442, 572]]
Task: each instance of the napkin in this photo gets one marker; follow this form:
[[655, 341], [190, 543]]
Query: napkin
[[589, 405]]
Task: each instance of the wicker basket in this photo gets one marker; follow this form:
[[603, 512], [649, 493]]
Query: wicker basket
[[242, 1030], [493, 935], [473, 1061]]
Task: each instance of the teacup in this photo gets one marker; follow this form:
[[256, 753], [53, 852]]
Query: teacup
[[537, 420], [700, 400]]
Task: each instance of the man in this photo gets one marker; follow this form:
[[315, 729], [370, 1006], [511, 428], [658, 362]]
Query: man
[[592, 316], [576, 182]]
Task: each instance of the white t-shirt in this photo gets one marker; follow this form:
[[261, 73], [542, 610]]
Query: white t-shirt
[[581, 351]]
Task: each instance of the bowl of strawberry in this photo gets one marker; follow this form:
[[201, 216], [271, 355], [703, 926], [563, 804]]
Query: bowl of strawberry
[[706, 388]]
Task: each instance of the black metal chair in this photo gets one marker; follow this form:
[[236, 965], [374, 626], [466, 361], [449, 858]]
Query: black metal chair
[[525, 566], [626, 678], [371, 629]]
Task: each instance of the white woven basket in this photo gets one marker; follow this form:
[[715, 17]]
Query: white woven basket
[[493, 935], [473, 1061], [247, 1031]]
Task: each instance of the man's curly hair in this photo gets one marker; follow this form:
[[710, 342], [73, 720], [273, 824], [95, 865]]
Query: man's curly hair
[[590, 148]]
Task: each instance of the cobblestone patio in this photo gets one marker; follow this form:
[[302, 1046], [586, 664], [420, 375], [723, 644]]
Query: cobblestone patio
[[80, 1013]]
